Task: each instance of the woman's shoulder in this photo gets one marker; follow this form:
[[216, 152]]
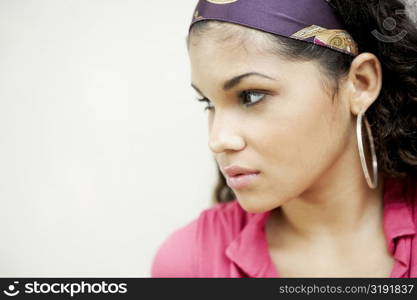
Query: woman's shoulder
[[412, 188], [409, 193], [400, 196], [215, 227]]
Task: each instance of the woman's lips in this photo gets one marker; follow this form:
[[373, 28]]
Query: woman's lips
[[241, 181]]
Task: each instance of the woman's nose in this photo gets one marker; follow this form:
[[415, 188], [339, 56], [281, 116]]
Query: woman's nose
[[224, 134]]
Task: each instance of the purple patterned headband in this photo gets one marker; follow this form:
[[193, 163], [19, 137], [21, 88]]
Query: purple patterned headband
[[313, 21]]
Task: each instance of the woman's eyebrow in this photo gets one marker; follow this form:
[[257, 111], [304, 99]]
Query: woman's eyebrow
[[235, 81]]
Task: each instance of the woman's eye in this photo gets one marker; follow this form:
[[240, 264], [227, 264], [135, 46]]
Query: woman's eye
[[248, 98], [251, 97]]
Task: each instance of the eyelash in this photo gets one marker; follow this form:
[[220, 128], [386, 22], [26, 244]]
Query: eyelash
[[242, 96]]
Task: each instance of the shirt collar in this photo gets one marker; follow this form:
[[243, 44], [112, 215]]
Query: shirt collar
[[398, 220], [249, 250], [398, 215]]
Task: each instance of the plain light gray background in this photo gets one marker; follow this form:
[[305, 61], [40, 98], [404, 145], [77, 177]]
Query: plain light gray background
[[103, 149]]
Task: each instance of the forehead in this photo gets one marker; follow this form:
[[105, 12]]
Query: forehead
[[214, 58], [229, 39]]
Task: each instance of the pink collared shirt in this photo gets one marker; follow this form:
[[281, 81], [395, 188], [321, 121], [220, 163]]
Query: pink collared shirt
[[227, 241]]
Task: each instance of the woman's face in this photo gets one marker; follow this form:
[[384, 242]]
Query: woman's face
[[285, 126]]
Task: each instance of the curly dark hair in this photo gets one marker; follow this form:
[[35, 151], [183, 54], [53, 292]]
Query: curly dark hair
[[393, 115]]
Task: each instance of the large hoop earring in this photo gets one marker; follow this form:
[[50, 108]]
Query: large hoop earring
[[374, 182]]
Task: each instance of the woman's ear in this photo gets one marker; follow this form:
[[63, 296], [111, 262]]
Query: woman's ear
[[364, 81]]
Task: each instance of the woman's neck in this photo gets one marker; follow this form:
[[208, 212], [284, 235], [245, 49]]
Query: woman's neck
[[339, 204]]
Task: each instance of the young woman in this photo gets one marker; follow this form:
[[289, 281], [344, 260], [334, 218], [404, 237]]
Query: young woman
[[312, 111]]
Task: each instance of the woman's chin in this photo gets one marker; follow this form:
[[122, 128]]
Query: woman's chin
[[254, 206]]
